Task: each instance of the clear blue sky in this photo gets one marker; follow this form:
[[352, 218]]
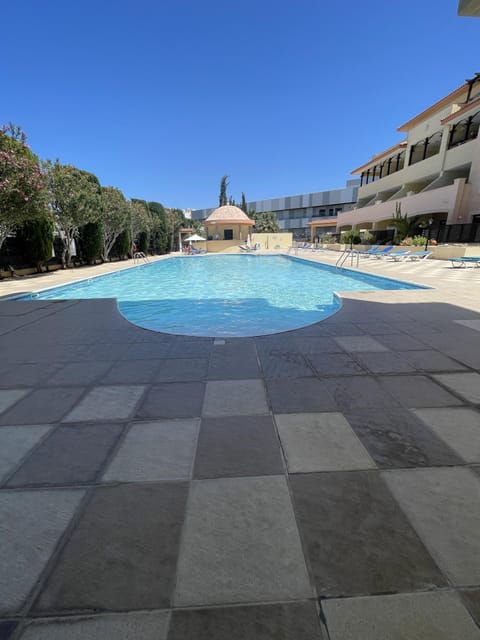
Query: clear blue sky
[[160, 98]]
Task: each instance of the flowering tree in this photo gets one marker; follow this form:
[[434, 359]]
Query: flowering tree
[[22, 182], [115, 217], [75, 199]]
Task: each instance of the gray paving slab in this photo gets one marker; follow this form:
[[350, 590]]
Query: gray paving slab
[[320, 442], [309, 345], [78, 373], [358, 540], [43, 406], [432, 360], [238, 446], [471, 324], [31, 524], [360, 343], [153, 451], [107, 403], [131, 372], [443, 505], [467, 385], [28, 375], [289, 621], [172, 400], [397, 438], [7, 627], [9, 397], [240, 544], [283, 343], [378, 328], [418, 391], [285, 365], [402, 342], [420, 616], [71, 454], [471, 600], [359, 392], [16, 442], [335, 364], [381, 362], [122, 554], [458, 427], [181, 369], [299, 394], [152, 625], [234, 397], [229, 365]]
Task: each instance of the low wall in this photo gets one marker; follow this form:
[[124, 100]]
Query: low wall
[[272, 241]]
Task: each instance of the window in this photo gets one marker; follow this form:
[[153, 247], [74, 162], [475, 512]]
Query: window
[[426, 148], [331, 212], [338, 210], [228, 234], [464, 131]]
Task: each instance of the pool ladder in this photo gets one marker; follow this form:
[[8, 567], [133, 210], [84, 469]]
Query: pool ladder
[[352, 253]]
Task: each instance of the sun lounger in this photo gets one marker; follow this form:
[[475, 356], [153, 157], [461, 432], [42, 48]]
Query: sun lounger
[[396, 255], [419, 255], [368, 252], [466, 260], [382, 252]]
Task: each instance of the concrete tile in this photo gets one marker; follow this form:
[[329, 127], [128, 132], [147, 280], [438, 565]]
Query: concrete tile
[[431, 360], [71, 454], [240, 544], [153, 451], [43, 406], [123, 552], [234, 397], [232, 366], [16, 442], [443, 505], [107, 403], [320, 442], [310, 345], [150, 625], [289, 621], [173, 400], [358, 541], [131, 372], [195, 348], [181, 370], [402, 342], [418, 391], [420, 616], [9, 397], [7, 627], [471, 600], [237, 446], [277, 343], [78, 373], [285, 365], [378, 328], [471, 324], [380, 362], [28, 375], [102, 351], [466, 385], [335, 364], [360, 343], [300, 394], [458, 427], [358, 392], [31, 523], [397, 438]]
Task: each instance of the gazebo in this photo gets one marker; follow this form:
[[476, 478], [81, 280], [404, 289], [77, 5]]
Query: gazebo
[[226, 227]]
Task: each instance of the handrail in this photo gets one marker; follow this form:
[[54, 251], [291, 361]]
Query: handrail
[[348, 252]]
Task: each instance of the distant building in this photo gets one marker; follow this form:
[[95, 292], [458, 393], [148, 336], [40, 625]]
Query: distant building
[[293, 213]]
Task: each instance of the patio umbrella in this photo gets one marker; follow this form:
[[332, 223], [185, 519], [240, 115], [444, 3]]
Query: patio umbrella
[[194, 238]]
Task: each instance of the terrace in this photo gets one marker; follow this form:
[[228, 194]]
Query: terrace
[[321, 484]]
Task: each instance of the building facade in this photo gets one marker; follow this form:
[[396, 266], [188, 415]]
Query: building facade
[[294, 213], [434, 171]]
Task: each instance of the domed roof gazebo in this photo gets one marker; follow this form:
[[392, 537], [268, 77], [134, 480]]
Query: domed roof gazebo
[[226, 227]]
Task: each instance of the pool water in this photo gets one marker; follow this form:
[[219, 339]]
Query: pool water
[[225, 295]]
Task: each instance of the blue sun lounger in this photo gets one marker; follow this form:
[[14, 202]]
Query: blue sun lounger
[[463, 262]]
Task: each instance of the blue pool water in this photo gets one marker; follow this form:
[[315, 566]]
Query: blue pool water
[[223, 296]]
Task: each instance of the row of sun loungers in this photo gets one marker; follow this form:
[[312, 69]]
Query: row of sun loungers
[[391, 252], [472, 261]]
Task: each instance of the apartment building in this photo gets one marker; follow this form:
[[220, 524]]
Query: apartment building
[[434, 171]]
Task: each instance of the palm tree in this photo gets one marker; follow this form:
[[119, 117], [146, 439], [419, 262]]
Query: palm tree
[[266, 223], [405, 227]]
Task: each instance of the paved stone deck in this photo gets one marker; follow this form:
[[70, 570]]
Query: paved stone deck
[[321, 484]]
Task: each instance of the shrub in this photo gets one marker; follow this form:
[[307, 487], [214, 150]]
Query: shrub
[[37, 236], [350, 236], [91, 241]]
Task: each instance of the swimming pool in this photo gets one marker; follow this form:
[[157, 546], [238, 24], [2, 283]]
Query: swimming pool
[[225, 295]]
